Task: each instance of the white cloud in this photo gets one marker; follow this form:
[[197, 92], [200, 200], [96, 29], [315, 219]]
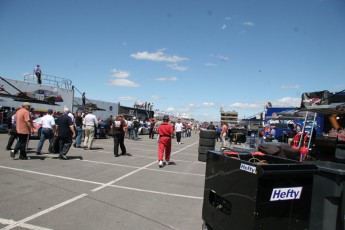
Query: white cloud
[[170, 109], [287, 102], [166, 79], [241, 105], [119, 73], [282, 102], [210, 64], [157, 56], [223, 58], [208, 104], [290, 86], [123, 83], [126, 98], [155, 97], [223, 26], [177, 67], [118, 79], [248, 23]]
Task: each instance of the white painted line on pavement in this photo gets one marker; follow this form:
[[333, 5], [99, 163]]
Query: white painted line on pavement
[[135, 171], [107, 152], [136, 167], [156, 192], [93, 182], [51, 175], [16, 224], [154, 150], [185, 148], [28, 226], [122, 177]]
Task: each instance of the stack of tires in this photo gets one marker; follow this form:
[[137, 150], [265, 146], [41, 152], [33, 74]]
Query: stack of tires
[[207, 141]]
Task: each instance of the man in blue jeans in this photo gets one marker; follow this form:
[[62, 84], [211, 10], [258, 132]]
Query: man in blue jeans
[[65, 133], [47, 131], [136, 125], [78, 121]]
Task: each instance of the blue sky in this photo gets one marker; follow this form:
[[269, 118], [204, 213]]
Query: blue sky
[[186, 56]]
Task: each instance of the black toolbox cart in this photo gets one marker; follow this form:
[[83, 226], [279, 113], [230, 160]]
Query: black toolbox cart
[[328, 201], [246, 191]]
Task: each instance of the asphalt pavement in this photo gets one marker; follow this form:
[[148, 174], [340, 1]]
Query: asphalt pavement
[[95, 190]]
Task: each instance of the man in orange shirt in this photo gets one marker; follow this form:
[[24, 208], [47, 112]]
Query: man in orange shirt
[[24, 129]]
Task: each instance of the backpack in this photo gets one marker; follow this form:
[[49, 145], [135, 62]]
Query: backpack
[[136, 124]]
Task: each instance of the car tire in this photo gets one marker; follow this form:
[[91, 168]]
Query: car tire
[[207, 142], [202, 157], [209, 134], [204, 149]]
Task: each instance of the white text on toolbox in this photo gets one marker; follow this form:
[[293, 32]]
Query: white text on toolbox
[[248, 168], [293, 193]]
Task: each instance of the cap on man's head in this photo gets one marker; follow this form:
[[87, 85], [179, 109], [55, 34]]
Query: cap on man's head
[[66, 109], [26, 104], [166, 118], [50, 111]]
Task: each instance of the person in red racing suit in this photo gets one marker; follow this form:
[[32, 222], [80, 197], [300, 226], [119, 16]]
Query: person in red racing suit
[[165, 130]]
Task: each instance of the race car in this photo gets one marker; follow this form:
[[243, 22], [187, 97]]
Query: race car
[[43, 95]]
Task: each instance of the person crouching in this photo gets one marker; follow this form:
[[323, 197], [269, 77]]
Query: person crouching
[[165, 130]]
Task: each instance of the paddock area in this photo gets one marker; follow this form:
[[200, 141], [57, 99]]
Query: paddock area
[[95, 190]]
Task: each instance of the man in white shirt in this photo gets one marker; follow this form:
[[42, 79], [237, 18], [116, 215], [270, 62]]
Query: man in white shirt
[[66, 110], [178, 131], [90, 122], [47, 131], [129, 128]]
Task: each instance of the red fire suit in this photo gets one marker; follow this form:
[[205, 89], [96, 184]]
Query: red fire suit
[[165, 130]]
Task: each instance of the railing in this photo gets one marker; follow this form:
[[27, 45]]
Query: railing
[[50, 80]]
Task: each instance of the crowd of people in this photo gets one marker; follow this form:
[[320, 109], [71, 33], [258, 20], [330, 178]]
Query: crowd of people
[[80, 129]]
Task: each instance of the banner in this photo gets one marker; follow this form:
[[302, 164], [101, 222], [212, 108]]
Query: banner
[[315, 98]]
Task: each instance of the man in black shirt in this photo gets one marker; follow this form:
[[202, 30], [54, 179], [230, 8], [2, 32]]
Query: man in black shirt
[[83, 97], [119, 128], [78, 120], [65, 133], [211, 126]]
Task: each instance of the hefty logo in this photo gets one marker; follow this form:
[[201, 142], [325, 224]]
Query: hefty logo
[[293, 193], [248, 168]]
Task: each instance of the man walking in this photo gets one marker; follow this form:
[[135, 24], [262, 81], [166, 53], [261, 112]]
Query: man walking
[[129, 128], [119, 128], [178, 131], [165, 130], [78, 121], [24, 129], [223, 133], [90, 122], [12, 131], [48, 130], [152, 127], [65, 132], [136, 125]]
